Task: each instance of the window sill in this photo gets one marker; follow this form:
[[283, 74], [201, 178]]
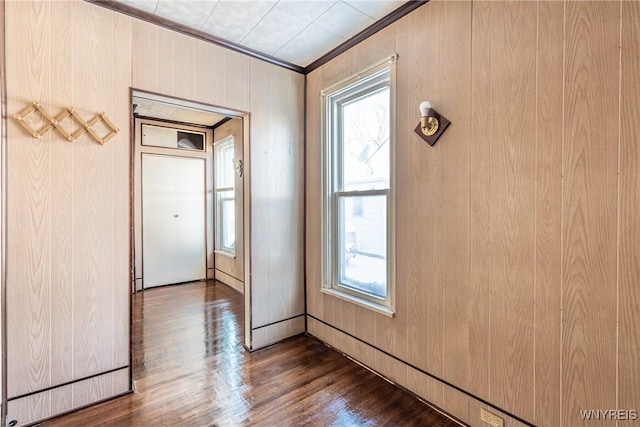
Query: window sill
[[226, 254], [378, 308]]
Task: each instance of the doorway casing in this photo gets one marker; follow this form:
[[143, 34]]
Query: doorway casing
[[177, 110]]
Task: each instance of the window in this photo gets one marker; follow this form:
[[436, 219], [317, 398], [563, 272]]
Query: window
[[358, 182], [225, 193]]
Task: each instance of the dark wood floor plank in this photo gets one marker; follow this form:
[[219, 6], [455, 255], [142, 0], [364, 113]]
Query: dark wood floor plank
[[190, 369]]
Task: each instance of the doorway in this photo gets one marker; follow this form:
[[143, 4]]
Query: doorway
[[190, 223]]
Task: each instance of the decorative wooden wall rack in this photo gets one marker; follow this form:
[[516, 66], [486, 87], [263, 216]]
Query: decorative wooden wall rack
[[56, 123]]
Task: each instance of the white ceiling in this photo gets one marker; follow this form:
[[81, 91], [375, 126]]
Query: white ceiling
[[296, 31], [162, 107]]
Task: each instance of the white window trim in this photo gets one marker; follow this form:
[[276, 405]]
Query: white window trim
[[328, 271], [218, 249]]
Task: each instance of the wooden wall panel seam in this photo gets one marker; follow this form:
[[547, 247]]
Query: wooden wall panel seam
[[618, 212], [629, 205], [562, 193], [3, 216]]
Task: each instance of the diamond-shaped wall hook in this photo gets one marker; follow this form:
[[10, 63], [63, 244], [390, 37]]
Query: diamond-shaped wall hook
[[22, 116], [56, 122]]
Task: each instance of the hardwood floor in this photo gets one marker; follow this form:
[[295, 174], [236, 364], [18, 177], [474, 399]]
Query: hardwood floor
[[190, 369]]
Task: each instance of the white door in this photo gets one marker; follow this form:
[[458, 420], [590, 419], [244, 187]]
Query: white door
[[173, 219]]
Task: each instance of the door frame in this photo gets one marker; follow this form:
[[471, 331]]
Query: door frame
[[246, 183], [139, 151]]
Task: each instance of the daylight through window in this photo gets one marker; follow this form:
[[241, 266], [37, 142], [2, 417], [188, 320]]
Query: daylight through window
[[358, 181], [224, 189]]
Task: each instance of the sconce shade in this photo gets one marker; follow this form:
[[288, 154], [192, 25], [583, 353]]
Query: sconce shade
[[441, 124]]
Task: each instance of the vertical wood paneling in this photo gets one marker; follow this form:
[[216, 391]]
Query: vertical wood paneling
[[548, 212], [313, 228], [629, 235], [68, 218], [332, 72], [203, 72], [276, 201], [164, 63], [217, 56], [294, 152], [406, 113], [407, 205], [262, 107], [237, 91], [184, 66], [415, 197], [66, 310], [28, 203], [377, 47], [122, 66], [456, 105], [338, 69], [61, 199], [589, 208], [512, 198], [480, 209], [531, 196], [430, 234], [510, 240], [93, 169], [145, 64]]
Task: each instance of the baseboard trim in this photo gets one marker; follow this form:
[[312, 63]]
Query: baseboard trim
[[28, 410], [266, 335], [409, 376], [229, 281]]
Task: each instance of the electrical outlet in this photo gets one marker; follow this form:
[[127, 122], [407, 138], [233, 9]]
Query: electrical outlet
[[490, 418]]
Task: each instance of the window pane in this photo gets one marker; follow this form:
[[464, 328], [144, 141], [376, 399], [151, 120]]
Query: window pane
[[226, 220], [365, 142], [362, 243], [225, 195], [225, 173]]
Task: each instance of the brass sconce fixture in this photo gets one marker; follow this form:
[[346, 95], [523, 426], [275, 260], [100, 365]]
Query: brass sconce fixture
[[431, 125]]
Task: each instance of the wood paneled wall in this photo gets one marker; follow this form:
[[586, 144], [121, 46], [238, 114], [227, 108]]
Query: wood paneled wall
[[68, 273], [67, 210], [174, 64], [518, 235], [277, 203]]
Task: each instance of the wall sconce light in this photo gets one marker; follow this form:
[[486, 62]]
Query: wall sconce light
[[431, 125]]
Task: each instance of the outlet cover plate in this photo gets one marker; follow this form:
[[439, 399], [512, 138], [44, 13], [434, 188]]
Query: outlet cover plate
[[490, 418]]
